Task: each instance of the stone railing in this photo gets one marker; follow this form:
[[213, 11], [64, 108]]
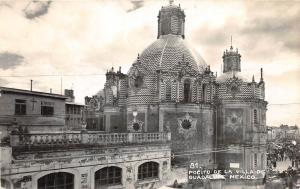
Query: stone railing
[[85, 138]]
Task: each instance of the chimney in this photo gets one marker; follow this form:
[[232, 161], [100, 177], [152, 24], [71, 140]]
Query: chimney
[[31, 85]]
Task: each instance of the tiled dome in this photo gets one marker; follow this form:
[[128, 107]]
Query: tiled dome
[[167, 53]]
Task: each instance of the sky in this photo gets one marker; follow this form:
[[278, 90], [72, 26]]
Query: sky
[[71, 43]]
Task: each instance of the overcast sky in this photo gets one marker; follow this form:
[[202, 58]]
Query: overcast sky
[[87, 37]]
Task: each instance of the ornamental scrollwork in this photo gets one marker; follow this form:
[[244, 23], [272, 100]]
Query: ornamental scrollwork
[[187, 126]]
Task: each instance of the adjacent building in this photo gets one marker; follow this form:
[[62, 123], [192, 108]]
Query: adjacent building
[[30, 110], [283, 132], [85, 160], [94, 113], [39, 150], [75, 112]]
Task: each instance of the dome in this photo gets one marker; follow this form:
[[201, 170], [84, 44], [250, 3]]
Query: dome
[[167, 53]]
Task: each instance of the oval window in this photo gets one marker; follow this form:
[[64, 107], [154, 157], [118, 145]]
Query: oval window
[[136, 126], [186, 124]]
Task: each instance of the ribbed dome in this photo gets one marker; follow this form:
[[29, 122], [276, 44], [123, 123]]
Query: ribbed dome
[[167, 53]]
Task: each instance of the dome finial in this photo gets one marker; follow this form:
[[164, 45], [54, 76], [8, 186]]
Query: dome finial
[[138, 58], [166, 16]]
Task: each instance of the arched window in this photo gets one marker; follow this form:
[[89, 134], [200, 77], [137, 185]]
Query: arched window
[[60, 180], [108, 176], [187, 91], [138, 82], [148, 170], [204, 92], [255, 116], [168, 91], [255, 160]]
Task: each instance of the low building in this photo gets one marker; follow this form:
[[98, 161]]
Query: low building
[[40, 153], [86, 160], [30, 110], [283, 132]]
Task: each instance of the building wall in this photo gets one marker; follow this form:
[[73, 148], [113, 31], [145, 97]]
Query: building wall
[[33, 119], [74, 116], [27, 169], [194, 138], [115, 119], [236, 127]]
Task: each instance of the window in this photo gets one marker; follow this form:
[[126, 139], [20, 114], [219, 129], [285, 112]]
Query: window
[[20, 107], [47, 108], [186, 124], [138, 82], [136, 126], [255, 116], [204, 92], [148, 170], [168, 91], [60, 180], [255, 160], [108, 176], [187, 91]]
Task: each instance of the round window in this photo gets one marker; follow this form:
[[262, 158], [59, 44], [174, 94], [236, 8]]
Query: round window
[[186, 124], [136, 126]]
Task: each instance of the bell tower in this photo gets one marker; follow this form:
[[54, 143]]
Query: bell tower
[[231, 60], [171, 20]]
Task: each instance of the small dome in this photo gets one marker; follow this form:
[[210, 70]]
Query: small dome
[[167, 52]]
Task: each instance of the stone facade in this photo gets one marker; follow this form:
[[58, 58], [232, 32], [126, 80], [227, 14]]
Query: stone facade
[[169, 90], [82, 155], [241, 116], [169, 87]]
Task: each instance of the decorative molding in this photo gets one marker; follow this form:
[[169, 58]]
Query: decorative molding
[[234, 86], [187, 126], [136, 126]]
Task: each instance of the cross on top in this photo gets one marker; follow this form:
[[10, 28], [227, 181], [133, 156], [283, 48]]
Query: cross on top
[[171, 2]]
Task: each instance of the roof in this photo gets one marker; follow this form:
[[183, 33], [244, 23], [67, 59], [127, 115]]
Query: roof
[[35, 93], [75, 104], [167, 54]]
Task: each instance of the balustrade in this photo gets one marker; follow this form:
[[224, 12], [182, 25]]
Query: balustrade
[[87, 138]]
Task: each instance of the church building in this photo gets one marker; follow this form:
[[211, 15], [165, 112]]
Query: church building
[[169, 110], [215, 121]]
